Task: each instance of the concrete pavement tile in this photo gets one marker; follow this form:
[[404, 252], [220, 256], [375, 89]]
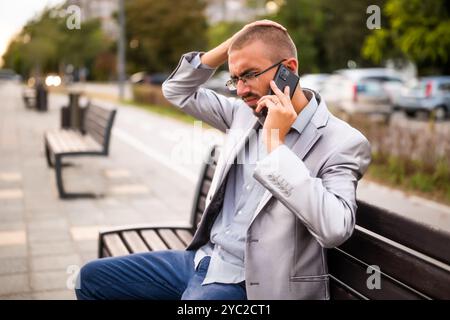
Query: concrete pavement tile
[[15, 251], [14, 283], [13, 265], [43, 224], [11, 194], [128, 189], [87, 246], [13, 237], [86, 218], [55, 295], [86, 232], [10, 176], [49, 280], [88, 256], [12, 225], [18, 296], [11, 216], [54, 262], [48, 235], [51, 248]]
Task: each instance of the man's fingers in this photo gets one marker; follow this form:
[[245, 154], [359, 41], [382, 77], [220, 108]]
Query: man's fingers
[[283, 98], [267, 103]]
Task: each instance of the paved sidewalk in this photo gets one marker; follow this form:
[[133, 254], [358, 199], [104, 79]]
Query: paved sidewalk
[[41, 237]]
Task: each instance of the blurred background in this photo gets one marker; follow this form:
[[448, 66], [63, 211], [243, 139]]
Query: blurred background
[[381, 65]]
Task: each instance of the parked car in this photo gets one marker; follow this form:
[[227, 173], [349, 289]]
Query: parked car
[[217, 83], [429, 94], [314, 81], [145, 78], [367, 91], [9, 75]]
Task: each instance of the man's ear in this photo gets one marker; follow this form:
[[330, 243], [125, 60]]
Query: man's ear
[[292, 65]]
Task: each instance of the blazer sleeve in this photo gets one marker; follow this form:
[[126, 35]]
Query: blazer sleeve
[[183, 90], [326, 204]]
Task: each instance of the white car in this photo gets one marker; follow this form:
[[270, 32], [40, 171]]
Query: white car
[[367, 91], [314, 81]]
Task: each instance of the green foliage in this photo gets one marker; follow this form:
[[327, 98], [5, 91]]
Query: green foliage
[[162, 31], [417, 30], [327, 33], [45, 43]]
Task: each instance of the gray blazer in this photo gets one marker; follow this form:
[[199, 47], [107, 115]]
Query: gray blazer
[[310, 200]]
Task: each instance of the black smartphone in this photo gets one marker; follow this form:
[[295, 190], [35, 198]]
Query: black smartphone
[[284, 77]]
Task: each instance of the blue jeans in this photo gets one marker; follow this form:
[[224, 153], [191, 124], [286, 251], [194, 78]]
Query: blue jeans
[[158, 275]]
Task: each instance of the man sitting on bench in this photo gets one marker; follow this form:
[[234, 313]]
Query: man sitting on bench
[[282, 193]]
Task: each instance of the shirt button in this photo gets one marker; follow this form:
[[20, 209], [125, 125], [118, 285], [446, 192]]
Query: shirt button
[[247, 187], [227, 232], [240, 211], [219, 247]]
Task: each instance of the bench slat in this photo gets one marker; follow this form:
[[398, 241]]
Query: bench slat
[[98, 124], [169, 237], [419, 237], [354, 274], [185, 236], [134, 242], [339, 292], [153, 240], [97, 111], [201, 204], [206, 185], [400, 264], [115, 245]]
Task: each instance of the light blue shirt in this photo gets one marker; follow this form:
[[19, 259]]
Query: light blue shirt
[[242, 196]]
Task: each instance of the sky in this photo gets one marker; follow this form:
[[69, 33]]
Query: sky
[[14, 14]]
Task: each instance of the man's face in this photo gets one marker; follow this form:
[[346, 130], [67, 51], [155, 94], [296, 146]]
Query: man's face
[[251, 59]]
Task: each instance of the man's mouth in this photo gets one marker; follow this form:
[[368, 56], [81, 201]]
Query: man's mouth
[[251, 101]]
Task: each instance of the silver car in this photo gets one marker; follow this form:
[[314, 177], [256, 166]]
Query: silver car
[[366, 91], [430, 95]]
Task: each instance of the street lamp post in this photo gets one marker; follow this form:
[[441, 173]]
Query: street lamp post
[[121, 51]]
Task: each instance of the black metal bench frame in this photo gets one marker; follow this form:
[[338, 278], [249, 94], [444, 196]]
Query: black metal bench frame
[[97, 125], [413, 259]]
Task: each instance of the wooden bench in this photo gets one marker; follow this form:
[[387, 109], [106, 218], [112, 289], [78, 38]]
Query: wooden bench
[[413, 259], [93, 140]]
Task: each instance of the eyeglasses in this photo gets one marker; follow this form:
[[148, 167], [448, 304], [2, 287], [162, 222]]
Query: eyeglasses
[[232, 83]]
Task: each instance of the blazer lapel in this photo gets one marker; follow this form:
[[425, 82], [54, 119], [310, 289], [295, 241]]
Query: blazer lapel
[[310, 135]]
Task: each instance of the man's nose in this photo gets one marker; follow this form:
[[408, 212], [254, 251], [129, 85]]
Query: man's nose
[[242, 88]]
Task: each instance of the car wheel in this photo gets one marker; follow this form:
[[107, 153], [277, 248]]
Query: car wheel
[[440, 113]]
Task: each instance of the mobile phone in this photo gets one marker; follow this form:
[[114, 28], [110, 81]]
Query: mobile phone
[[284, 77]]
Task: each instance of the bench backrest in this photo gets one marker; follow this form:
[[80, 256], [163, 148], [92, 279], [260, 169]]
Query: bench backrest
[[98, 122], [203, 185], [413, 259]]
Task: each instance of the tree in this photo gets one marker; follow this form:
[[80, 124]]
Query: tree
[[327, 33], [418, 31], [159, 32], [45, 44]]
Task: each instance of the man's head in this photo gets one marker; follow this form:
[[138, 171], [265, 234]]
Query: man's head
[[253, 51]]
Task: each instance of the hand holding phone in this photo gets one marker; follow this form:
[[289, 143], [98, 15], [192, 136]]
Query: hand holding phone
[[284, 77]]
